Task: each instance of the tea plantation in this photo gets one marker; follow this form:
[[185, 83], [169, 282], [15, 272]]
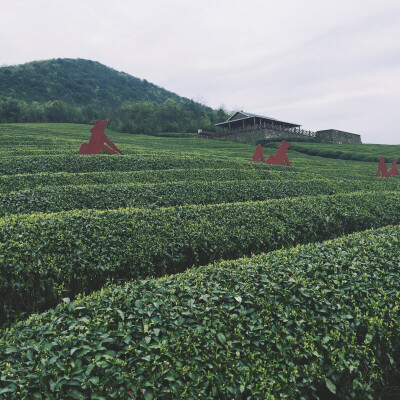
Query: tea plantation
[[182, 270]]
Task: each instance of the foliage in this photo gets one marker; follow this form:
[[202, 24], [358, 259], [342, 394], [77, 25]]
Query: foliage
[[357, 152], [306, 323], [46, 257], [97, 163], [300, 323], [61, 198], [79, 91], [19, 182]]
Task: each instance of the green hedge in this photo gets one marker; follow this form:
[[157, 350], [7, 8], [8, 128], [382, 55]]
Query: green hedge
[[325, 152], [54, 199], [96, 163], [44, 257], [316, 322], [63, 198], [19, 182]]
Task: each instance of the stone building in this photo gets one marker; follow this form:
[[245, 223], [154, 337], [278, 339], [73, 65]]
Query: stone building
[[246, 127], [335, 136]]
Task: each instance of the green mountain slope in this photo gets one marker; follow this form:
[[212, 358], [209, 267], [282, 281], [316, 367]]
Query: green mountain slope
[[77, 82], [77, 90]]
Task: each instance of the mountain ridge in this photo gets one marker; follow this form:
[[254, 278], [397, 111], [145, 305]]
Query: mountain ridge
[[67, 73], [80, 90]]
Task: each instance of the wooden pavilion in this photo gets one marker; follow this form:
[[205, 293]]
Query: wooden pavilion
[[244, 121]]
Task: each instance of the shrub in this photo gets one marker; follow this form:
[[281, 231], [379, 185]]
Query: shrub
[[46, 257], [253, 172], [101, 197], [97, 163], [345, 156], [309, 322]]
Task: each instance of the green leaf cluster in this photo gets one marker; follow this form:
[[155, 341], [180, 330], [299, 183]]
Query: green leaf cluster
[[308, 322], [45, 257], [62, 198], [79, 91], [19, 182]]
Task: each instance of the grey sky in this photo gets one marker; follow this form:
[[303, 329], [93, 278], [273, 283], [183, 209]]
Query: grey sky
[[320, 63]]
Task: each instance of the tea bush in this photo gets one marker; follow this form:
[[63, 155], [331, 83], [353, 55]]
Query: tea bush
[[44, 257], [96, 163], [54, 199], [61, 198], [18, 182], [315, 322], [318, 321]]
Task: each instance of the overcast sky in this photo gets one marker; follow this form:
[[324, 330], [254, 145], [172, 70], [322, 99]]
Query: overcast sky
[[319, 63]]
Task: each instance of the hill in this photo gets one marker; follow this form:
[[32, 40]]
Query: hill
[[80, 91]]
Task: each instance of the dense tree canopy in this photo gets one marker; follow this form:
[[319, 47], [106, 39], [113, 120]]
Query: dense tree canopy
[[80, 91]]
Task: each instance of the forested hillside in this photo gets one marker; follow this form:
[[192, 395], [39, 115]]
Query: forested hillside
[[80, 91]]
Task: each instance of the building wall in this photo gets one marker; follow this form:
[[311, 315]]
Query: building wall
[[335, 136], [326, 136], [245, 137], [255, 135], [272, 133]]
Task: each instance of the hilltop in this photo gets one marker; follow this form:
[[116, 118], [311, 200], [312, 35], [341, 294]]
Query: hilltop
[[79, 91]]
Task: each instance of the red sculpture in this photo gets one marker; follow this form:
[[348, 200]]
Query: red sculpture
[[258, 154], [382, 168], [394, 170], [98, 141], [280, 157]]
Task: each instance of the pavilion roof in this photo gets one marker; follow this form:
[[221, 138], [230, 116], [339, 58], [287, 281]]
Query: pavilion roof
[[247, 115]]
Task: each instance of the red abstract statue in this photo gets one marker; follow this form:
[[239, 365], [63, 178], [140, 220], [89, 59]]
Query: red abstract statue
[[98, 141], [258, 154], [280, 157], [382, 168], [394, 170]]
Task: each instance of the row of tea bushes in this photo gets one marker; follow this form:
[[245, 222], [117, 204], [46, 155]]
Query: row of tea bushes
[[44, 257], [365, 152], [98, 163], [20, 182], [322, 152], [95, 163], [319, 321], [55, 199]]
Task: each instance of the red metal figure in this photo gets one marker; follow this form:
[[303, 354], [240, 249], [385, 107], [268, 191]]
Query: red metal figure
[[258, 154], [98, 141], [394, 170], [280, 157], [382, 168]]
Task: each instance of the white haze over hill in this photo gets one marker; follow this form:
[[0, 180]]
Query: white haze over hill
[[320, 63]]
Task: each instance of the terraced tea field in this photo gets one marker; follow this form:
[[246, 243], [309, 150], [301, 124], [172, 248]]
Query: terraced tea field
[[180, 269]]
